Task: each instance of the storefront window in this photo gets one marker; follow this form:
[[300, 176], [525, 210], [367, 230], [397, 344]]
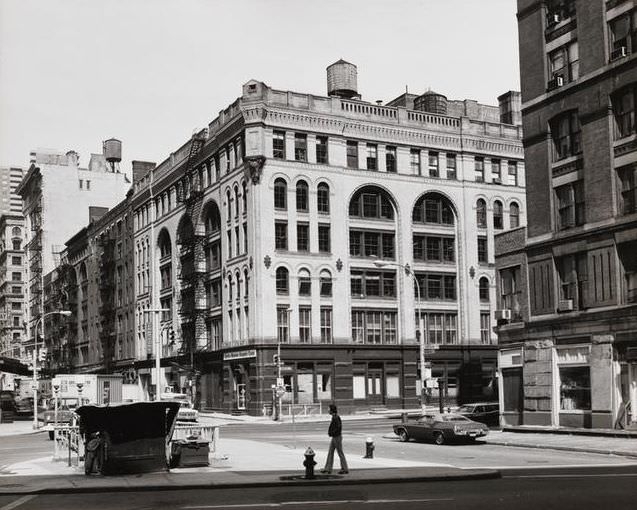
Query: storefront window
[[358, 385], [392, 387], [575, 378]]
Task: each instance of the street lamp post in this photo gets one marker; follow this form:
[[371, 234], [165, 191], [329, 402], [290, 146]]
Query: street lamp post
[[157, 344], [423, 379], [65, 313]]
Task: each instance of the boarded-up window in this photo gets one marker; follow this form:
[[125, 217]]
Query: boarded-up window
[[392, 387], [358, 385], [601, 278], [541, 287]]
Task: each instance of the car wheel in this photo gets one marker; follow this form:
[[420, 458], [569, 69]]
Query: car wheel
[[51, 435], [402, 434], [439, 438]]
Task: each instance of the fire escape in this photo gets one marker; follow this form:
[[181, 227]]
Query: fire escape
[[33, 250], [107, 333], [191, 238]]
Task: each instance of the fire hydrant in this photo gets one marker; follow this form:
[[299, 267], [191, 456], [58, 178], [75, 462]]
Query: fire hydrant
[[369, 448], [309, 463]]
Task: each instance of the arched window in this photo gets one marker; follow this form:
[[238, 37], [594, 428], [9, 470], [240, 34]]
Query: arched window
[[481, 213], [16, 232], [280, 194], [301, 196], [371, 202], [498, 222], [246, 284], [17, 244], [514, 215], [228, 206], [484, 289], [282, 281], [433, 208], [237, 279], [305, 283], [212, 219], [236, 202], [323, 198], [244, 197], [163, 242], [326, 283], [229, 288]]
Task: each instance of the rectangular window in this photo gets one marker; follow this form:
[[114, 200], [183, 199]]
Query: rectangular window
[[566, 134], [390, 158], [352, 154], [451, 167], [300, 147], [513, 173], [570, 205], [479, 169], [624, 112], [436, 287], [278, 145], [282, 324], [414, 161], [88, 185], [281, 235], [510, 291], [627, 190], [564, 65], [482, 250], [435, 327], [324, 241], [322, 156], [16, 277], [485, 328], [451, 328], [302, 237], [16, 261], [573, 274], [358, 327], [326, 325], [379, 284], [392, 386], [496, 170], [433, 164], [623, 36], [372, 156], [371, 244], [358, 387], [305, 324]]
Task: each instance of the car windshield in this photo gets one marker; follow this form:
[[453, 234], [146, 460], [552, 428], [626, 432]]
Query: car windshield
[[453, 417], [465, 409]]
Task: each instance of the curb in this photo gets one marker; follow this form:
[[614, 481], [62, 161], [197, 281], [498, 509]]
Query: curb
[[280, 481], [564, 448]]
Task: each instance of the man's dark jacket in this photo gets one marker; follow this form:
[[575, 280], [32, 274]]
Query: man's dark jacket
[[335, 426]]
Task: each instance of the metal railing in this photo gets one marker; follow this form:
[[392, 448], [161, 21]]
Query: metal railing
[[68, 444]]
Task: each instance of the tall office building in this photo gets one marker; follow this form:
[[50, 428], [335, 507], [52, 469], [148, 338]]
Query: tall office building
[[301, 221]]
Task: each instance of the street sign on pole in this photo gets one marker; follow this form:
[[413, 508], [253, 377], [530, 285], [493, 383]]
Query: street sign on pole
[[280, 391]]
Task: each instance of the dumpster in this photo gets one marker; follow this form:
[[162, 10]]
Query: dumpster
[[127, 438]]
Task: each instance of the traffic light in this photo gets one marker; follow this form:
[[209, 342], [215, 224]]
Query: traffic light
[[42, 354], [171, 336], [275, 359]]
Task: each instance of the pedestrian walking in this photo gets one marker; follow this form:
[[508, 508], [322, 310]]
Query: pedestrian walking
[[336, 443]]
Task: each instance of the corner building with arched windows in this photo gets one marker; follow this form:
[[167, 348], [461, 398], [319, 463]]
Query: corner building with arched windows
[[291, 220]]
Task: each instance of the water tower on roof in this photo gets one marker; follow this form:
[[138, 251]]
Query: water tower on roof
[[112, 149], [342, 80], [431, 102]]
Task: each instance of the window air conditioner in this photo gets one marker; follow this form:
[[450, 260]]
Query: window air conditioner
[[556, 82], [554, 19], [620, 52], [503, 315], [565, 305]]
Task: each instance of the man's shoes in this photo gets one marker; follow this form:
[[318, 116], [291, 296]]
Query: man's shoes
[[329, 472], [343, 472]]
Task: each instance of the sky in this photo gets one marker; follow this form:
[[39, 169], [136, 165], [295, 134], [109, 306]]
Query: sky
[[149, 72]]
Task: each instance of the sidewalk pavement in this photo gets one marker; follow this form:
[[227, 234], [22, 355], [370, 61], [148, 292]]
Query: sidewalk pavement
[[17, 427], [239, 463]]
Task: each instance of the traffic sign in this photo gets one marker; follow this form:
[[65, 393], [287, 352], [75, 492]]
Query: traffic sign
[[280, 391]]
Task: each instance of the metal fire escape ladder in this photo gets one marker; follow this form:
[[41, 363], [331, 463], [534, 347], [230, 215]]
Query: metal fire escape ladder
[[192, 256]]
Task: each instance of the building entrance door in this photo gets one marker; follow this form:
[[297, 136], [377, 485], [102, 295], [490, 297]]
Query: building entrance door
[[241, 396], [375, 386]]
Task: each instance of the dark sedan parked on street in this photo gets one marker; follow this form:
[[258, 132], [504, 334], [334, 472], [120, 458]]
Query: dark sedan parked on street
[[484, 412], [441, 428]]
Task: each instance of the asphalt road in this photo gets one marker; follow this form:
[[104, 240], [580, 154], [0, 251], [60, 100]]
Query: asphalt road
[[560, 490], [355, 432]]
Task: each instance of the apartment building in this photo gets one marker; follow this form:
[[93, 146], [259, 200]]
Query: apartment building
[[300, 222], [57, 193], [568, 283], [11, 284]]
